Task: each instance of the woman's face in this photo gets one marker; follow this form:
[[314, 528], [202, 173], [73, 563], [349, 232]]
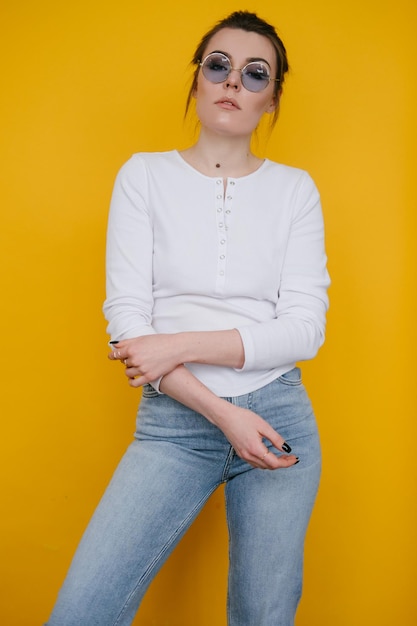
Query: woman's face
[[228, 108]]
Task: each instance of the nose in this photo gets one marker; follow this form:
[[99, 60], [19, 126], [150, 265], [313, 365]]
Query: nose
[[234, 79]]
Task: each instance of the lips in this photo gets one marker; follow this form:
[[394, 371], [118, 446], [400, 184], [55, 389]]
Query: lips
[[228, 103]]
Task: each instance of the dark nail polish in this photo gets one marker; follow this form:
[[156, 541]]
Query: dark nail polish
[[113, 342], [286, 447], [297, 461]]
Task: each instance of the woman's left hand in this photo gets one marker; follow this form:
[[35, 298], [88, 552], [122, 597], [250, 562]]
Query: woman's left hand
[[147, 358]]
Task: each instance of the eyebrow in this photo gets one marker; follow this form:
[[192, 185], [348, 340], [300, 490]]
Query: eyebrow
[[248, 59]]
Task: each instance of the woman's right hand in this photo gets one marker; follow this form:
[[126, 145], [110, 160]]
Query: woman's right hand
[[246, 431]]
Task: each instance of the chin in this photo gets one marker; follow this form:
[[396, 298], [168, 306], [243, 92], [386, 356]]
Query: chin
[[227, 127]]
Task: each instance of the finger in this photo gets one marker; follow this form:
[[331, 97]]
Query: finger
[[137, 381], [117, 355], [266, 460], [272, 461], [257, 454], [276, 439], [133, 372], [258, 460]]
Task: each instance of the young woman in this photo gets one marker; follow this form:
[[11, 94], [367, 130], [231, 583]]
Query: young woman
[[216, 287]]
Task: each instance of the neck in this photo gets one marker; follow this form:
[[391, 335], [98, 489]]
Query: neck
[[222, 156]]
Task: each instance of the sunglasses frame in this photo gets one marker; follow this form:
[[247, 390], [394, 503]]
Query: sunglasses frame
[[265, 81]]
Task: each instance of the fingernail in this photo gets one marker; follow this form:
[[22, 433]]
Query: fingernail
[[113, 342], [297, 461], [286, 447]]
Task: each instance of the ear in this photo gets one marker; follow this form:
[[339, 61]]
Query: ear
[[273, 105]]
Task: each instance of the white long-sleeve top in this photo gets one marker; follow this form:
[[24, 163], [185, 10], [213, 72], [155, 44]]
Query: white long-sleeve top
[[186, 254]]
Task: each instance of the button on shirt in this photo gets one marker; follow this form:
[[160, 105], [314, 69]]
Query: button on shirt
[[186, 252]]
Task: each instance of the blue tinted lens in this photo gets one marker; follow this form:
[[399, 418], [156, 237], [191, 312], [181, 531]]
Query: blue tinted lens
[[255, 76], [216, 67]]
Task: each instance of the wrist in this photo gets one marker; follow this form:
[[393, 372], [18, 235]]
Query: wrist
[[187, 346], [182, 345], [219, 411]]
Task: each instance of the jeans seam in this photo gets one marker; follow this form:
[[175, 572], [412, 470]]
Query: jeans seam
[[164, 549], [290, 383], [227, 464]]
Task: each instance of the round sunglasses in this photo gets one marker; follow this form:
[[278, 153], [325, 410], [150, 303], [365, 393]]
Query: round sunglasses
[[216, 67]]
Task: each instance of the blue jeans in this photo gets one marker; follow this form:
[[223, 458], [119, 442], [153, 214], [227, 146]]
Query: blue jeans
[[175, 463]]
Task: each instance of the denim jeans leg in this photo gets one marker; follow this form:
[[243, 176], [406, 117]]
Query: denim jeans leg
[[268, 513], [151, 501]]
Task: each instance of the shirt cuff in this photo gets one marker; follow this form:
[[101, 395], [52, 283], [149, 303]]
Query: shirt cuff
[[248, 347], [155, 384]]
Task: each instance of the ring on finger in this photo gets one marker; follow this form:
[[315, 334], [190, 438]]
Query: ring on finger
[[125, 362]]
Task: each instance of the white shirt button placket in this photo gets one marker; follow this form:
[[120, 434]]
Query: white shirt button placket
[[223, 210]]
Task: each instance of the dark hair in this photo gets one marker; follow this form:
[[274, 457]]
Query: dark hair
[[243, 20]]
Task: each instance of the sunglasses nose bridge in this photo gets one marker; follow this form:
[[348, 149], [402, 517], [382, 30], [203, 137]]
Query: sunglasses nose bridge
[[234, 76]]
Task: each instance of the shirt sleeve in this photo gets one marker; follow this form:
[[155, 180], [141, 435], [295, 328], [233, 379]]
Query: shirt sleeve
[[297, 332], [129, 301]]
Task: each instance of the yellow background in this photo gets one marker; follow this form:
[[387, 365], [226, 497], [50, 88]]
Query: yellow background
[[84, 85]]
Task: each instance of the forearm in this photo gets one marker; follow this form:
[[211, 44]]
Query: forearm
[[223, 347], [181, 385]]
